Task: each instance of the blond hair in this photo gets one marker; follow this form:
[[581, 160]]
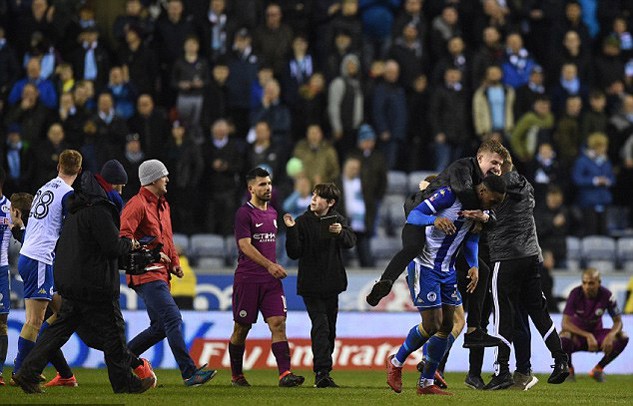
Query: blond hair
[[70, 162]]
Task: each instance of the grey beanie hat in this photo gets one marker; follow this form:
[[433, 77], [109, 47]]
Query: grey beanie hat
[[151, 170]]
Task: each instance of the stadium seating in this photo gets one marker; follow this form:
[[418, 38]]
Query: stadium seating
[[396, 183], [415, 178], [574, 257], [207, 250], [182, 241], [383, 249], [599, 252], [625, 253]]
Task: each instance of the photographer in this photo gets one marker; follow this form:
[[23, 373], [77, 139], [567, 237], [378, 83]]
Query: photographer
[[147, 214], [87, 277]]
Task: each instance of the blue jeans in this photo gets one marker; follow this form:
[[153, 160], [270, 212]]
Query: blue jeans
[[165, 321]]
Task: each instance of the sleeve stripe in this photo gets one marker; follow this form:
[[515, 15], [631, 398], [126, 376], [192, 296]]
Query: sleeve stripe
[[430, 206]]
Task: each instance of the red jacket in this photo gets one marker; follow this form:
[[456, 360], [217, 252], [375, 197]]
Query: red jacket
[[147, 215]]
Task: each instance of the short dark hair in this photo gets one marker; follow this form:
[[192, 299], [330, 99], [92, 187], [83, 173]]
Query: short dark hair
[[22, 201], [328, 191], [256, 173], [495, 183]]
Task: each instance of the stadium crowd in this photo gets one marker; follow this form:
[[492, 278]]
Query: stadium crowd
[[216, 88]]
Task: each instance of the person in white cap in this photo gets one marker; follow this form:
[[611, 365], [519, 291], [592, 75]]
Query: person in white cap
[[147, 214]]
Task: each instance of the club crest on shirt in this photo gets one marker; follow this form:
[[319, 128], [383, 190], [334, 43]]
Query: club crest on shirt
[[5, 208], [243, 313], [599, 312]]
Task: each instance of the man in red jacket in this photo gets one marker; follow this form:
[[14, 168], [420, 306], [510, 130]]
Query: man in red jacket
[[147, 214]]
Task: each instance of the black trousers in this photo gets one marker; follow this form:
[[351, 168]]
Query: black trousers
[[323, 313], [473, 302], [515, 284], [103, 320]]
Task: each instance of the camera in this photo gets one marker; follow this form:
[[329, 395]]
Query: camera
[[135, 262]]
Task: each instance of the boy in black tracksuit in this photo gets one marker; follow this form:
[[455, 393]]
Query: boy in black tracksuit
[[321, 275]]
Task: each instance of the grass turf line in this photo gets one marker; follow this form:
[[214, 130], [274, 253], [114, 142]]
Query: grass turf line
[[357, 387]]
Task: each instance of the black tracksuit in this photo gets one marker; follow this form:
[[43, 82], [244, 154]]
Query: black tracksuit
[[321, 279], [87, 277], [516, 258]]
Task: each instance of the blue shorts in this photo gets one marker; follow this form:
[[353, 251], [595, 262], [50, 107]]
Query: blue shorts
[[37, 277], [5, 291], [431, 289]]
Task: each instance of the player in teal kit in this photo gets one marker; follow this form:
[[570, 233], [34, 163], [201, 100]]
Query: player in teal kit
[[257, 285]]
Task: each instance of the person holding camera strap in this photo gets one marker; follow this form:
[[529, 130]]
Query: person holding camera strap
[[147, 214], [86, 275]]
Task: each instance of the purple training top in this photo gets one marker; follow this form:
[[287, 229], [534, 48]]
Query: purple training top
[[586, 313], [261, 227]]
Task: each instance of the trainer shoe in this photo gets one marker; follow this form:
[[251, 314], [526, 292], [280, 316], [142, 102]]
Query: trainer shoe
[[324, 380], [438, 378], [523, 381], [597, 374], [2, 381], [560, 372], [145, 371], [201, 376], [240, 381], [479, 338], [498, 382], [432, 390], [290, 380], [572, 375], [59, 381], [144, 385], [27, 386], [474, 382], [378, 291], [394, 375]]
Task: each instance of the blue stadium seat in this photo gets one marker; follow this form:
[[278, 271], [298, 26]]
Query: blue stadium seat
[[207, 250], [182, 241], [625, 253], [574, 257], [396, 183], [599, 252]]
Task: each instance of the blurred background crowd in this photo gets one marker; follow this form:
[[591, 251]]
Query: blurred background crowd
[[370, 94]]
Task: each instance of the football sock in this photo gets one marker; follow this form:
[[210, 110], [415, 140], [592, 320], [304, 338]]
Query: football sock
[[236, 354], [436, 349], [281, 350], [449, 343], [415, 339], [26, 342], [618, 346]]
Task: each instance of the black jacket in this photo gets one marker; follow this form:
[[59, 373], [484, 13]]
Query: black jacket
[[514, 234], [321, 270], [86, 264]]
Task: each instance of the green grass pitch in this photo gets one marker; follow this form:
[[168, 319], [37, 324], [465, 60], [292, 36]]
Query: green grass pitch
[[357, 388]]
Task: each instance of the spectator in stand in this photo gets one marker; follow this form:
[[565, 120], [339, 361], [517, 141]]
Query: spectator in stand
[[297, 71], [448, 117], [44, 51], [337, 52], [518, 63], [543, 171], [572, 21], [319, 158], [569, 85], [152, 125], [72, 120], [553, 224], [184, 159], [84, 94], [567, 136], [216, 29], [40, 16], [312, 106], [272, 110], [215, 103], [489, 53], [18, 162], [138, 61], [390, 114], [172, 28], [456, 57], [608, 67], [572, 52], [264, 152], [377, 18], [347, 21], [243, 72], [620, 127], [131, 158], [594, 119], [91, 61], [45, 88], [9, 67], [223, 164], [411, 14], [528, 93], [593, 177], [64, 78], [264, 74], [46, 154], [345, 106], [190, 75], [532, 129], [444, 27], [135, 16], [493, 107], [410, 53], [31, 114], [623, 33], [123, 93], [272, 40], [110, 126]]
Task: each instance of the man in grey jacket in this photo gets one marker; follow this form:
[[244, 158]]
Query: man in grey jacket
[[516, 258]]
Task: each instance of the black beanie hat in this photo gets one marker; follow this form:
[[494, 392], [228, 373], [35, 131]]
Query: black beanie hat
[[114, 173]]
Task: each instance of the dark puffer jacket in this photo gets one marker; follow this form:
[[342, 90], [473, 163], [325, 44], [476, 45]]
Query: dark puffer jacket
[[86, 262], [514, 234], [321, 270]]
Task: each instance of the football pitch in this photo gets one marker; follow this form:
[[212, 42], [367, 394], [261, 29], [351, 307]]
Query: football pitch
[[357, 387]]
